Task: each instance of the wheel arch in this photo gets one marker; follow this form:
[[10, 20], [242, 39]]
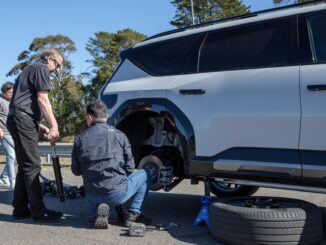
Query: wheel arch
[[159, 107]]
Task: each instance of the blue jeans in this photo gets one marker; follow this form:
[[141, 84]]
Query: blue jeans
[[9, 170], [137, 189]]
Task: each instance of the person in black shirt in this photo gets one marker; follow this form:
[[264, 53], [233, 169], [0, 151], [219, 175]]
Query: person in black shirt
[[28, 105]]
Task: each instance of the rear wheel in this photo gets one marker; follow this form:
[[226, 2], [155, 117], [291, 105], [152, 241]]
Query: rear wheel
[[222, 189]]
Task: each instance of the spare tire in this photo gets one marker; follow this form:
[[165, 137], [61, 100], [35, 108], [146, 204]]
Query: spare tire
[[265, 220]]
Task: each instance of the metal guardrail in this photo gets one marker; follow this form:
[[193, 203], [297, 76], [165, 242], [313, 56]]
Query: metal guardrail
[[45, 150]]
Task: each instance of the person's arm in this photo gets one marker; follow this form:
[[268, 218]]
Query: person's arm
[[127, 155], [75, 165], [46, 107], [2, 110]]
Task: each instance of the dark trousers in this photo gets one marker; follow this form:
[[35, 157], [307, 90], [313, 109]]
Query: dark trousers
[[28, 192]]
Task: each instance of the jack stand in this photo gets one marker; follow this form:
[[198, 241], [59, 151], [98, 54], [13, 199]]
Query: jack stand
[[205, 202]]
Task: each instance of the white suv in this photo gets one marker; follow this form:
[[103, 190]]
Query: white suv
[[240, 101]]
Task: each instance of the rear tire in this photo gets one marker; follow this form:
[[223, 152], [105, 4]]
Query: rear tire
[[221, 189], [265, 220]]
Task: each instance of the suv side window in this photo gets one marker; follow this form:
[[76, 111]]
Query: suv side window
[[173, 57], [317, 34], [254, 46]]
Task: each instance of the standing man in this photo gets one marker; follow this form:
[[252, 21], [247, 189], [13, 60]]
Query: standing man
[[102, 155], [7, 176], [29, 104]]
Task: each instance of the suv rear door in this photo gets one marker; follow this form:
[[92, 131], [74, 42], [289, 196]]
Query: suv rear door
[[244, 101], [313, 95]]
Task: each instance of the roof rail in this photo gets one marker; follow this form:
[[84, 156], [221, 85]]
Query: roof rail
[[237, 17]]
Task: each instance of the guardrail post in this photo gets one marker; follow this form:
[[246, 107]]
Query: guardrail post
[[48, 158]]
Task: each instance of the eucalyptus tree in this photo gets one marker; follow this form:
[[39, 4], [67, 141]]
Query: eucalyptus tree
[[206, 10], [104, 49]]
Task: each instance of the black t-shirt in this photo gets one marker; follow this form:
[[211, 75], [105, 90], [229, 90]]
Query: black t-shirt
[[34, 78]]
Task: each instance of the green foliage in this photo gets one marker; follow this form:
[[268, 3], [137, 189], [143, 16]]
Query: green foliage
[[206, 10], [67, 94], [105, 49], [67, 101], [39, 44]]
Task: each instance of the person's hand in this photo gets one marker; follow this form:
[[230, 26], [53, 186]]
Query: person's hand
[[53, 135], [44, 129], [1, 133]]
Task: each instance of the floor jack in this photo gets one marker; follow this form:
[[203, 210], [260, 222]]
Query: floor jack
[[205, 202], [70, 191], [56, 187]]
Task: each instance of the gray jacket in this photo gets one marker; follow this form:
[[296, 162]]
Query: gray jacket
[[102, 155], [4, 109]]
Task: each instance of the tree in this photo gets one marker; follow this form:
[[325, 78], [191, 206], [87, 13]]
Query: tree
[[206, 10], [105, 49], [39, 44], [67, 94]]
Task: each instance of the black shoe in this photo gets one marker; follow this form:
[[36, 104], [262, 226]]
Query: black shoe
[[134, 217], [21, 214], [101, 221], [47, 216]]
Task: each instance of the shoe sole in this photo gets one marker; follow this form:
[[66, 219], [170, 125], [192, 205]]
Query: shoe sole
[[101, 221]]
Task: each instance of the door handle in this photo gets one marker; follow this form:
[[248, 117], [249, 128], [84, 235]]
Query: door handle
[[317, 87], [191, 91]]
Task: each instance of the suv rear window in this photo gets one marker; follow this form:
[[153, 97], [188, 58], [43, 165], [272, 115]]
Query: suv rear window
[[317, 33], [254, 46], [173, 57]]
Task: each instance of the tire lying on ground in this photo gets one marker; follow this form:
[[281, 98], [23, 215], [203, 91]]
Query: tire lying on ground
[[265, 220]]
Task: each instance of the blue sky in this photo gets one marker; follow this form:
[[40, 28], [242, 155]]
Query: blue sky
[[22, 21]]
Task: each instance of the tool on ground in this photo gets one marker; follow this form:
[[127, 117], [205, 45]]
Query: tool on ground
[[139, 230], [57, 174], [50, 186]]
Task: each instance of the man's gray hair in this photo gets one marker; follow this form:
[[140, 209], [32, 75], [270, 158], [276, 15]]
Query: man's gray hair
[[52, 53]]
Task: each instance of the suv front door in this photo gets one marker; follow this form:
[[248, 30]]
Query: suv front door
[[313, 95]]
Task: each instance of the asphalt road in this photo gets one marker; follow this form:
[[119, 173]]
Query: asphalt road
[[179, 206]]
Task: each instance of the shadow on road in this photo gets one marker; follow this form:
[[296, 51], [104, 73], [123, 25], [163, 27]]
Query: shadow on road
[[162, 208]]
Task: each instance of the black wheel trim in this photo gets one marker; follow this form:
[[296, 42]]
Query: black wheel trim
[[264, 202], [225, 187]]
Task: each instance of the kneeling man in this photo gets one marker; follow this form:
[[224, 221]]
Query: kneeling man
[[102, 155]]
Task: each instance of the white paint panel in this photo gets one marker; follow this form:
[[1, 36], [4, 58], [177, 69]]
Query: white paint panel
[[313, 125], [247, 108]]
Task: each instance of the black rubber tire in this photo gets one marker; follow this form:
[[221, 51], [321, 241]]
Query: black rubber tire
[[293, 222], [219, 189]]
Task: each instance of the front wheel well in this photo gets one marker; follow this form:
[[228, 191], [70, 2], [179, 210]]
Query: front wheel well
[[154, 133]]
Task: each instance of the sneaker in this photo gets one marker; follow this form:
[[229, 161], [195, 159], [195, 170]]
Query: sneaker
[[4, 182], [134, 217], [101, 221], [22, 214], [48, 216]]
